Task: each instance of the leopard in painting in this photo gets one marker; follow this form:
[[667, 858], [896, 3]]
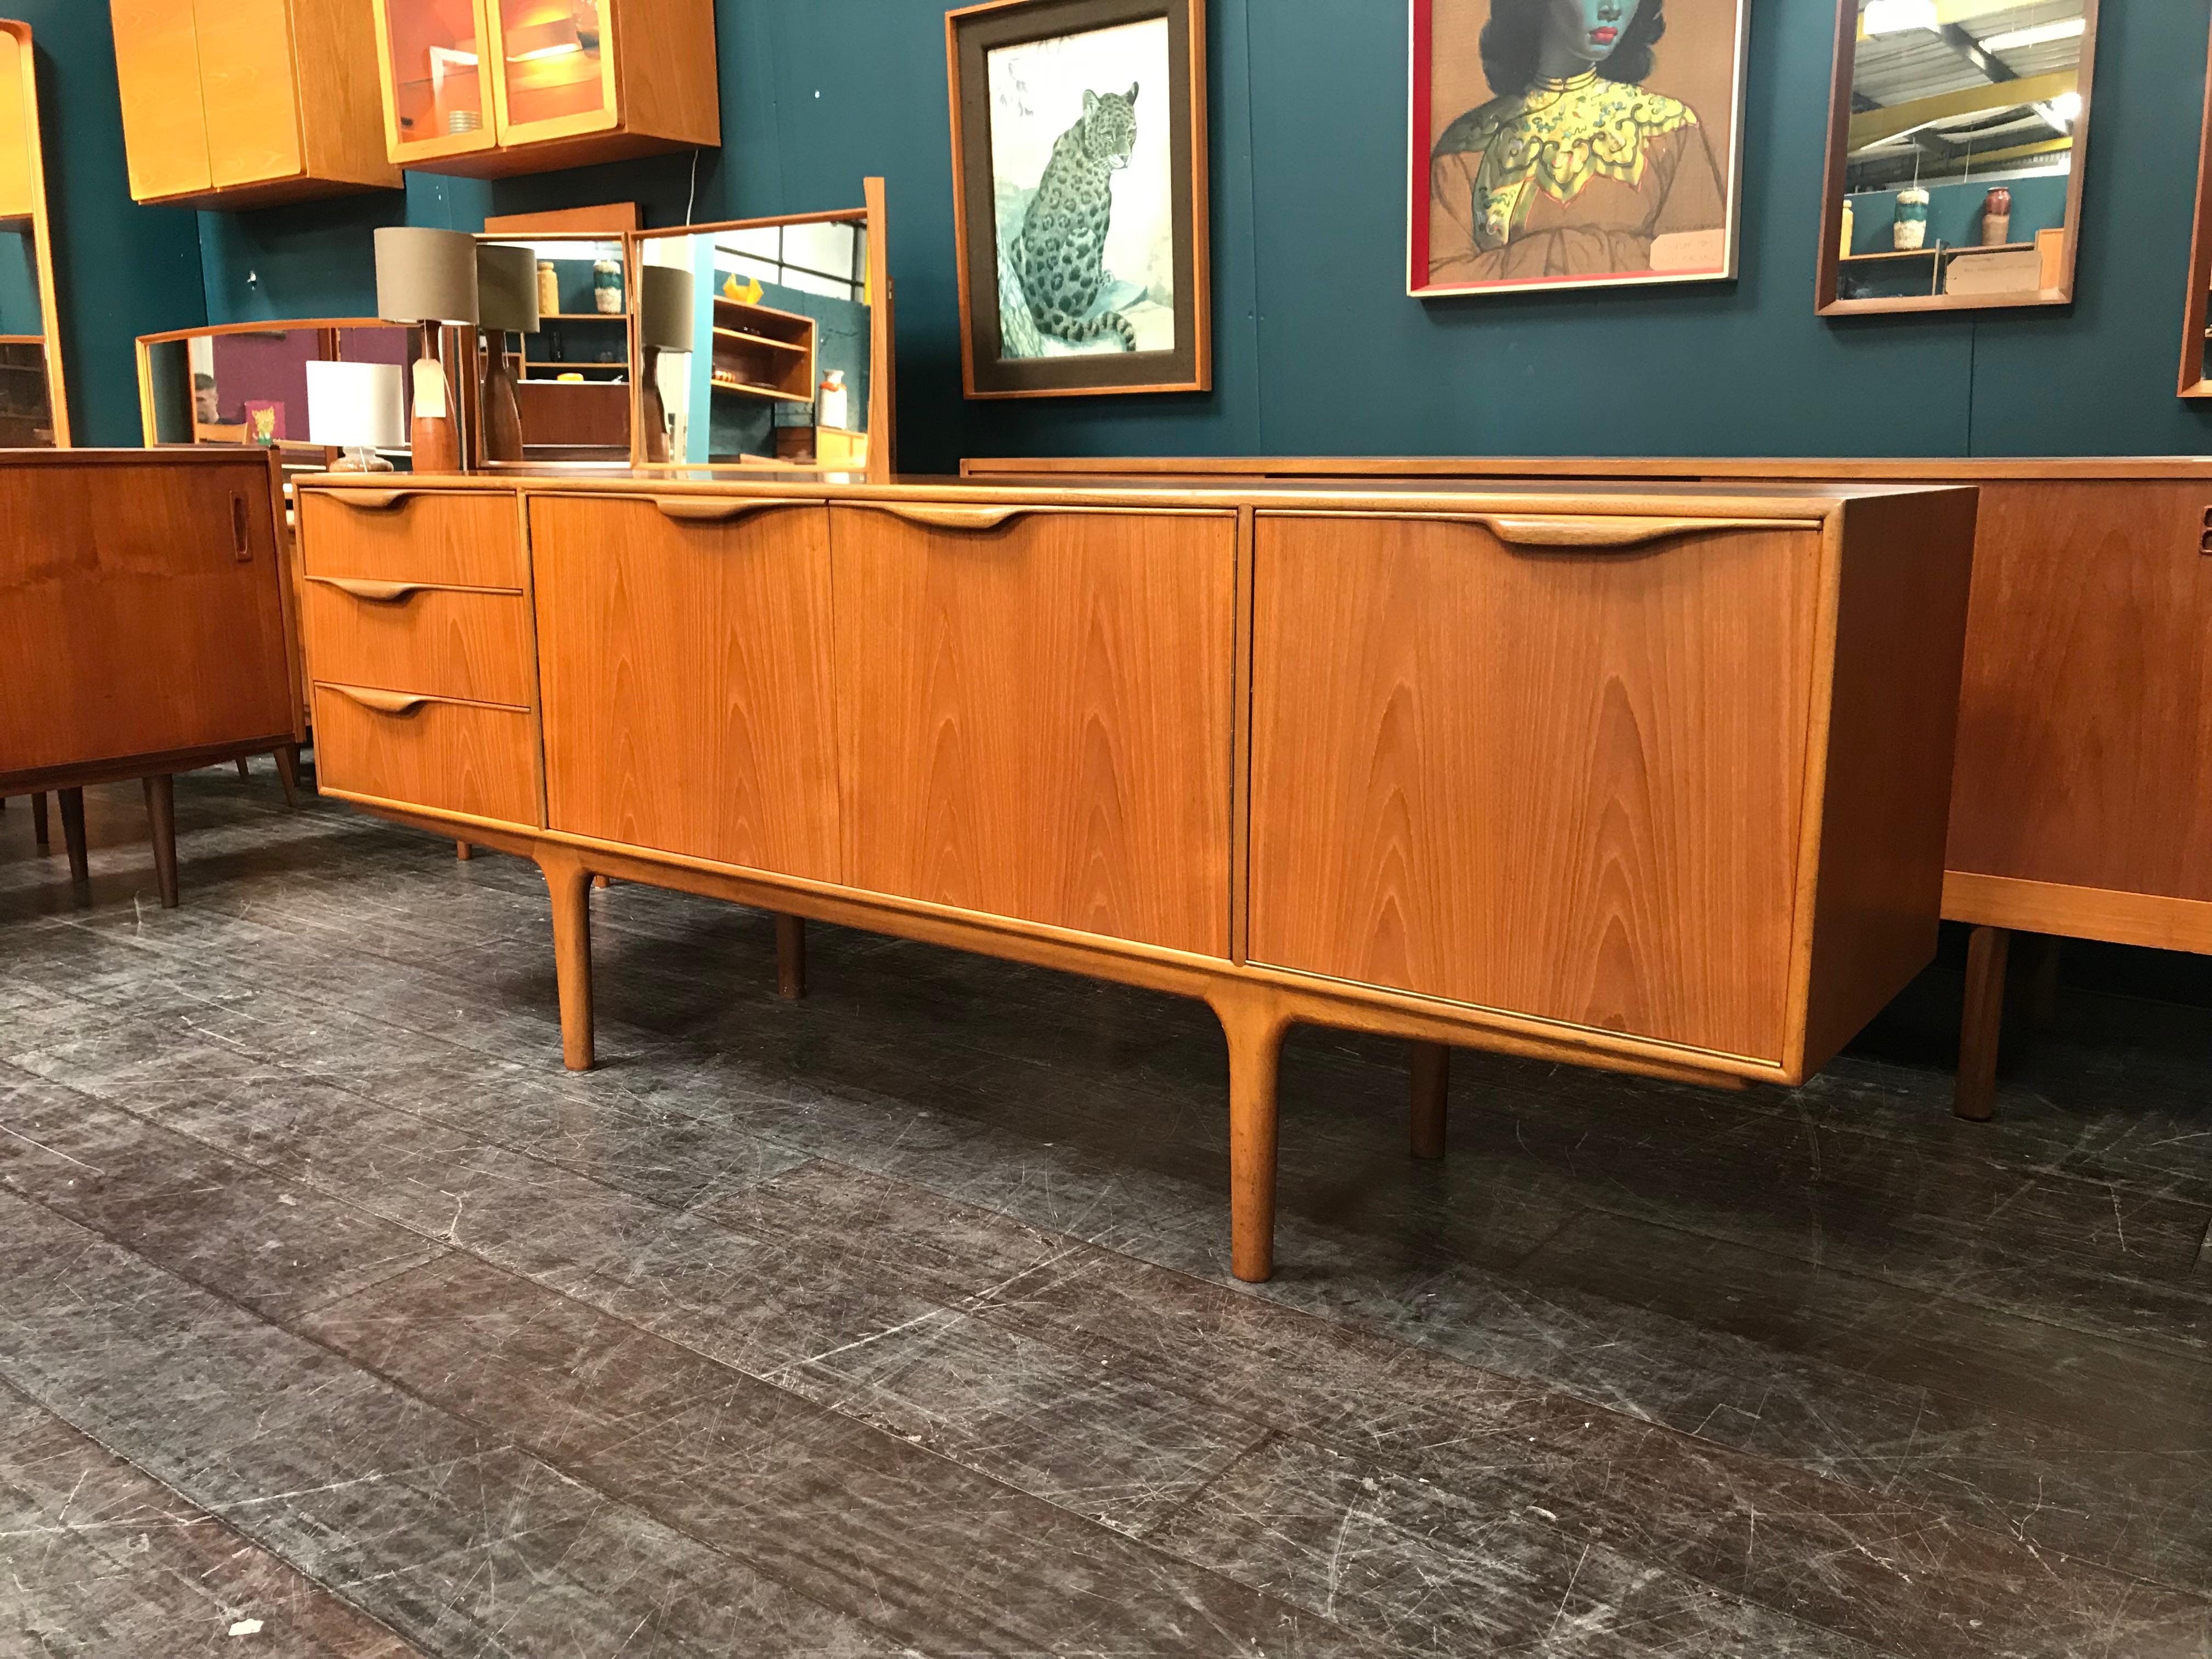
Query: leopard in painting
[[1061, 254]]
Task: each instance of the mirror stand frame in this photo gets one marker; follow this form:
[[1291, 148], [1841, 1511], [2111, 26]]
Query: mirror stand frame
[[42, 235], [1825, 301], [883, 454], [2196, 308]]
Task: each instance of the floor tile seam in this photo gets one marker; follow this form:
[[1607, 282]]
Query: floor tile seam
[[231, 1529], [499, 1441]]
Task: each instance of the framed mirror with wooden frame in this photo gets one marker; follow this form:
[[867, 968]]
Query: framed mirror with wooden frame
[[1958, 135], [766, 342], [2196, 313], [33, 399]]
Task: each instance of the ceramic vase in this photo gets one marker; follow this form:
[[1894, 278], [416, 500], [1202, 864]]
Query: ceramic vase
[[1910, 231]]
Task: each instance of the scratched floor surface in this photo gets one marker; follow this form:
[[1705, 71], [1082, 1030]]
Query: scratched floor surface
[[333, 1314]]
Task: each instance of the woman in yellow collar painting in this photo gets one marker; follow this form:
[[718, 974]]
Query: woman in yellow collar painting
[[1589, 163]]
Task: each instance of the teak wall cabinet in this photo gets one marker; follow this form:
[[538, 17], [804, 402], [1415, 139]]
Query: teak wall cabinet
[[1652, 781], [246, 103], [490, 87]]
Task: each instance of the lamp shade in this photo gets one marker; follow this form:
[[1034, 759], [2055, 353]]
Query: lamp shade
[[664, 314], [357, 405], [507, 288], [425, 275]]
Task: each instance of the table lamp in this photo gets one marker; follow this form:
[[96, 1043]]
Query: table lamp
[[359, 408], [665, 323], [507, 303], [427, 279]]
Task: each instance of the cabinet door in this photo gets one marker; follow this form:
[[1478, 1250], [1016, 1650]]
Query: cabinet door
[[556, 67], [164, 120], [250, 90], [1033, 716], [1558, 783], [435, 100], [685, 668]]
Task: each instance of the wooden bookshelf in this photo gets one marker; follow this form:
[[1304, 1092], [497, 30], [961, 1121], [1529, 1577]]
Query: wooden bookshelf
[[762, 352]]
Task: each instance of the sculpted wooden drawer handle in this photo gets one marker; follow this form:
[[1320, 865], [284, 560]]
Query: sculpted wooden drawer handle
[[690, 510], [373, 593], [1607, 532], [371, 500], [384, 702], [951, 517]]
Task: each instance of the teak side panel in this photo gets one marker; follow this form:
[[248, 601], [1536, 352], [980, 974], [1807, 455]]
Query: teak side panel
[[2085, 731], [126, 601], [686, 676], [450, 756], [164, 121], [250, 91], [666, 77], [1035, 718], [455, 538], [441, 642], [341, 95], [1565, 784]]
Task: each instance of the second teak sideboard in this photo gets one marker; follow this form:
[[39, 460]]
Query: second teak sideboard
[[1653, 779]]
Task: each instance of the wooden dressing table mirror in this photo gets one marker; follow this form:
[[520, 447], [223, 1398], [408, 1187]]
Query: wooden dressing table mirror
[[1957, 134], [2196, 314], [33, 404]]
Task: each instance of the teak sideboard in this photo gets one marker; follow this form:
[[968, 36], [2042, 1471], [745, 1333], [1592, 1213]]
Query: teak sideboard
[[1651, 779]]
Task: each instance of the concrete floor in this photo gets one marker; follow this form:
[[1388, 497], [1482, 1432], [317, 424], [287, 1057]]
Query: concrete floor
[[897, 1320]]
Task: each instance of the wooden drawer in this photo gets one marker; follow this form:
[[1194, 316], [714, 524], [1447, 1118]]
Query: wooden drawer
[[1566, 783], [442, 641], [427, 751], [446, 537], [1034, 714]]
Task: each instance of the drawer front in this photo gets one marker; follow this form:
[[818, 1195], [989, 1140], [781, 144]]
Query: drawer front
[[451, 538], [1559, 783], [445, 642], [423, 751], [1033, 715]]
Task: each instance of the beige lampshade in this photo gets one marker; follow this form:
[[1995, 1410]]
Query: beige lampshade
[[425, 275], [357, 405], [507, 288], [664, 314]]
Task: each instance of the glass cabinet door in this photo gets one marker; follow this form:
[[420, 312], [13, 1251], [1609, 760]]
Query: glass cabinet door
[[556, 67], [436, 94]]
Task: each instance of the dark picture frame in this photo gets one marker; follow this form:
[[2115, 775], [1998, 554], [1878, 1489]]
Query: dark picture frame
[[971, 35]]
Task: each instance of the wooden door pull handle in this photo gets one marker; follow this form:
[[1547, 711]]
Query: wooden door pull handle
[[373, 593], [694, 509], [1596, 532], [371, 500], [951, 518], [384, 702]]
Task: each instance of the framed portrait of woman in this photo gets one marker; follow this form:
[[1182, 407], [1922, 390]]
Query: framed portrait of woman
[[1574, 143]]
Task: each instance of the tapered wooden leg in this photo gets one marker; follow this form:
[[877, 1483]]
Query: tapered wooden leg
[[1978, 1031], [244, 772], [463, 851], [38, 820], [73, 834], [288, 772], [570, 885], [161, 824], [2039, 996], [1431, 1083], [1254, 1026], [790, 957]]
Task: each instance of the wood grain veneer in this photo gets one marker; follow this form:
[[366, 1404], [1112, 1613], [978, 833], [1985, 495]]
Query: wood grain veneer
[[446, 538], [455, 756], [687, 667], [449, 642], [1034, 714]]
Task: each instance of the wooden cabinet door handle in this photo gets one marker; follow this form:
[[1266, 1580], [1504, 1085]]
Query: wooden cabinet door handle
[[384, 702], [1598, 533], [370, 501], [697, 509], [949, 518], [373, 593]]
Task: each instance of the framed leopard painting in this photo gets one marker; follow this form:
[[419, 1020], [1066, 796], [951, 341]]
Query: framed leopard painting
[[1079, 169]]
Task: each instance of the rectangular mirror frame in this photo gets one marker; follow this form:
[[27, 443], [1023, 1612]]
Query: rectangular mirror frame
[[1826, 301], [41, 237], [2197, 311]]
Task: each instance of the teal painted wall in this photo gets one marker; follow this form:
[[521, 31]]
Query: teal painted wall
[[1317, 348], [120, 270]]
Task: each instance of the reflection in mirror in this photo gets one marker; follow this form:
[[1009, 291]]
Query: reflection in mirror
[[1957, 140], [783, 356], [247, 384], [572, 377], [33, 412]]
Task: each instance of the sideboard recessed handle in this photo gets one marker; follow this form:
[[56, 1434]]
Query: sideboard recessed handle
[[241, 530], [373, 593], [371, 500], [384, 702], [949, 518], [1601, 533], [703, 509]]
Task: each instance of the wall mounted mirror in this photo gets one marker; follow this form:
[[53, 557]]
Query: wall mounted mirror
[[1957, 134], [572, 377], [2196, 313], [33, 404], [766, 342]]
